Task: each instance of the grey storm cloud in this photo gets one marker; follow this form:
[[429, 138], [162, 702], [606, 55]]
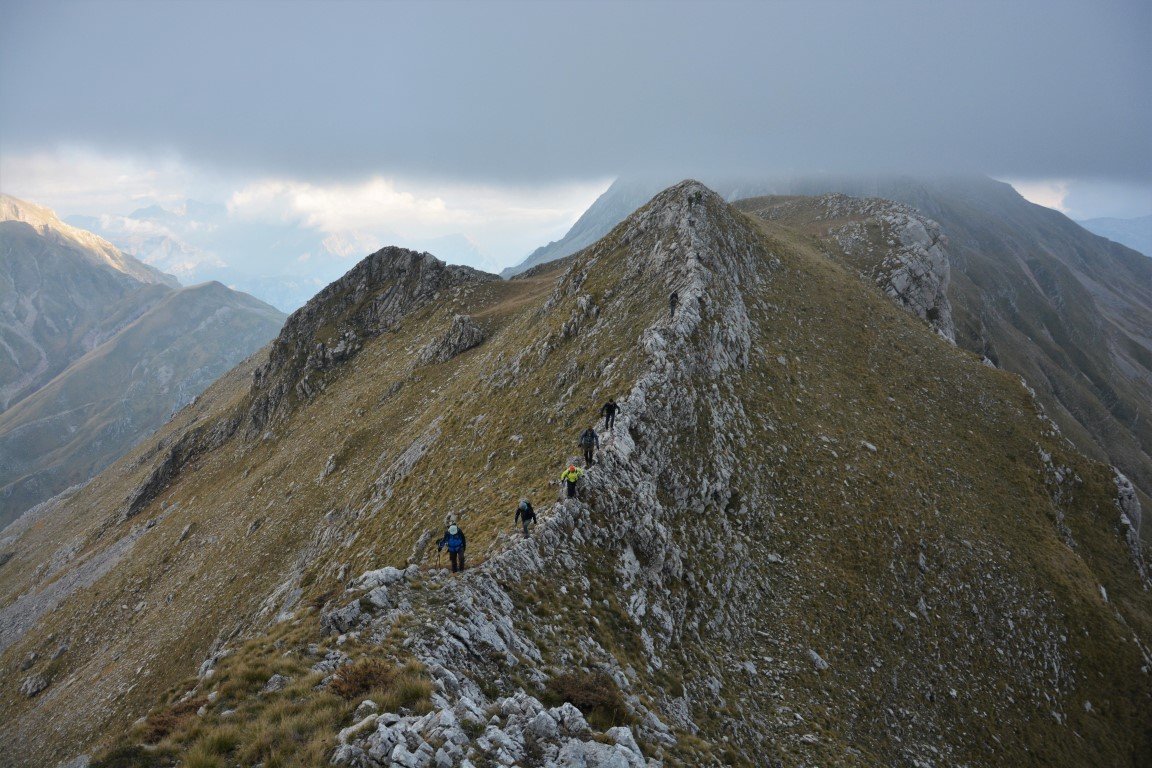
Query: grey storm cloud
[[521, 91]]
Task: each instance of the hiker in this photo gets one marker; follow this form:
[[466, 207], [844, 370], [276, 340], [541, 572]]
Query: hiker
[[570, 476], [673, 300], [609, 413], [456, 543], [589, 441], [525, 512]]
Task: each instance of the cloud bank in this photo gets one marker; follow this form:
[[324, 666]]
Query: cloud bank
[[515, 92]]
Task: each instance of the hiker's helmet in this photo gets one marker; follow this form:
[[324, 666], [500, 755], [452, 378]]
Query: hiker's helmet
[[453, 529]]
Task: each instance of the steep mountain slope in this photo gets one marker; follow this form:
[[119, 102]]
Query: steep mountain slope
[[1042, 297], [54, 308], [818, 534], [104, 403], [1134, 233], [1032, 291], [63, 291]]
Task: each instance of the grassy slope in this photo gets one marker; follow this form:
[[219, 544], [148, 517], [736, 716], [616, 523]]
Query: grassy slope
[[956, 476], [119, 392]]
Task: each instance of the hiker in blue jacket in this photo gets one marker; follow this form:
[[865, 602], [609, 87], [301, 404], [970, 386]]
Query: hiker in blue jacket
[[456, 543]]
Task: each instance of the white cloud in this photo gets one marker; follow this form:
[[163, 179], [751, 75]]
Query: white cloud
[[498, 225], [1088, 198], [1050, 193], [337, 208], [487, 226], [77, 180]]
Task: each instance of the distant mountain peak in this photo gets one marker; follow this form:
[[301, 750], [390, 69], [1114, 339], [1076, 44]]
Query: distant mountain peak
[[93, 247]]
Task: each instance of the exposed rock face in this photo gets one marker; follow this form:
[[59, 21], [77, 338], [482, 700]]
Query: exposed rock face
[[1130, 518], [187, 448], [462, 336], [333, 326], [33, 685], [915, 272]]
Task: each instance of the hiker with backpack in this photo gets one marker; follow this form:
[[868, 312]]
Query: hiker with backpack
[[525, 512], [589, 442], [456, 543], [673, 300], [569, 477], [609, 413]]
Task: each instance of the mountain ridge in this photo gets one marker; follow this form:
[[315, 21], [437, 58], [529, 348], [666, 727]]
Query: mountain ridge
[[1032, 291], [69, 430], [812, 505]]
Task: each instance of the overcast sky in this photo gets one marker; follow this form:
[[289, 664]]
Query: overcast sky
[[524, 111]]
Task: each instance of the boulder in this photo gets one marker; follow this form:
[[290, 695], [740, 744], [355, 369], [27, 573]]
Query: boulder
[[464, 334]]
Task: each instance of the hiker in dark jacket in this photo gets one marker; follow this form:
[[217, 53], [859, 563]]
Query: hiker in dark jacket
[[609, 413], [589, 441], [525, 512], [673, 300], [456, 543]]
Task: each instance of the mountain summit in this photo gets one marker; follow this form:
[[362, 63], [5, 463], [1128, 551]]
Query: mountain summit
[[818, 533]]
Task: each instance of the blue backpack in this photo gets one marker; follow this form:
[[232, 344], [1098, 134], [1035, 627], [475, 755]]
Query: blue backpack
[[455, 541]]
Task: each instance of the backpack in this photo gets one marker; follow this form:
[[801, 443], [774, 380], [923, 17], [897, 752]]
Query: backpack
[[455, 541]]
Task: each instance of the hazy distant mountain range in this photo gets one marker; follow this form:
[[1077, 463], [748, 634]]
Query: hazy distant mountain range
[[1134, 233], [98, 350], [281, 262], [198, 242]]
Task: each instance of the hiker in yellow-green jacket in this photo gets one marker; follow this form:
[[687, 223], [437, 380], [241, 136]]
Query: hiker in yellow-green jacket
[[570, 476]]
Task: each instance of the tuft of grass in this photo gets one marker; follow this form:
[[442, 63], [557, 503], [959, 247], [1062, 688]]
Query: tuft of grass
[[134, 756], [355, 679], [595, 694], [159, 724], [202, 757], [411, 689]]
